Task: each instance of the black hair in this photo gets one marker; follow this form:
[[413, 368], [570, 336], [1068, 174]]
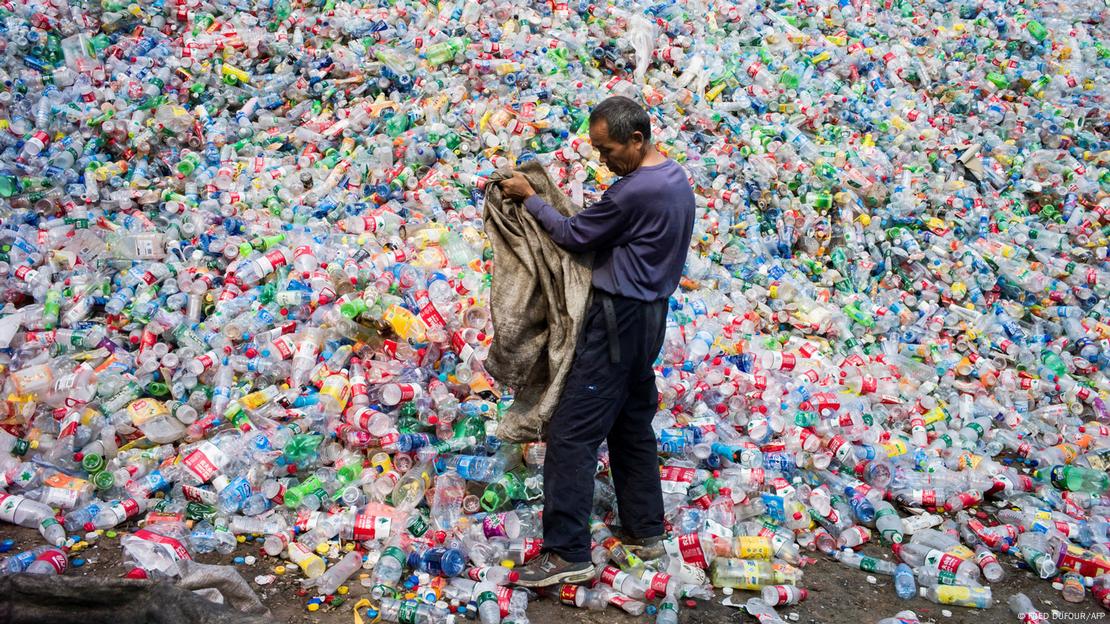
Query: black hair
[[623, 117]]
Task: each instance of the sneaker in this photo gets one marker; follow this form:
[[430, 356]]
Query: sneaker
[[646, 548], [551, 569]]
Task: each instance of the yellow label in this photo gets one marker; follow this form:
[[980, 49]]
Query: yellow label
[[1069, 451], [963, 552], [143, 410], [896, 448], [64, 481], [754, 547], [337, 387], [934, 415], [953, 594], [969, 460], [254, 400]]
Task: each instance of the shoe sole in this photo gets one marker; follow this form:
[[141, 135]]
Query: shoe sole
[[647, 553], [576, 576]]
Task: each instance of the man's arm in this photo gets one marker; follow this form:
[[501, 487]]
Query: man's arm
[[596, 226]]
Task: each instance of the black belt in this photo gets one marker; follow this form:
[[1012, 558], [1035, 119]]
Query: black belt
[[610, 325]]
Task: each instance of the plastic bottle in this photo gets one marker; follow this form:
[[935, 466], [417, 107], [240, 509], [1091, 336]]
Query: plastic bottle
[[309, 562], [51, 562], [961, 596], [337, 574], [31, 514]]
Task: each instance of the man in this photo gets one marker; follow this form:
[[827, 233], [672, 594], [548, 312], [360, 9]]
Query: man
[[639, 232]]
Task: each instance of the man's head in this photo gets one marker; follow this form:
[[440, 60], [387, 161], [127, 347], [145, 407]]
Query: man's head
[[620, 130]]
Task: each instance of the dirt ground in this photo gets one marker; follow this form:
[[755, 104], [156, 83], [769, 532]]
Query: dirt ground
[[837, 595]]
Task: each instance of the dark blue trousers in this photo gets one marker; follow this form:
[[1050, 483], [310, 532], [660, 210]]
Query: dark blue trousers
[[610, 394]]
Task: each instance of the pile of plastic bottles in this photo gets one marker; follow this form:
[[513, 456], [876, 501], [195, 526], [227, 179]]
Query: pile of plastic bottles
[[245, 285]]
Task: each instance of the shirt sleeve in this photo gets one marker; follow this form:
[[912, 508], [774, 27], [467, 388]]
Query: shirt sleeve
[[595, 227]]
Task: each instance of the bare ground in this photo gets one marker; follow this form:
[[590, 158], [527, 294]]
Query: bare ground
[[837, 595]]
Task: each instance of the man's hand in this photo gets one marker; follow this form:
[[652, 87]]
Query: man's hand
[[517, 187]]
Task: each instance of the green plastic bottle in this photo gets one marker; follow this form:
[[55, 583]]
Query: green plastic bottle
[[1078, 479]]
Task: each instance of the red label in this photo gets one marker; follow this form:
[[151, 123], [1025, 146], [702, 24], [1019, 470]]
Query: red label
[[408, 391], [284, 346], [431, 316], [306, 520], [504, 597], [390, 348], [1084, 567], [609, 574], [659, 582], [677, 473], [568, 594], [198, 495], [868, 385], [532, 547], [619, 600], [949, 563], [276, 258], [689, 546], [130, 507], [929, 498], [56, 559], [364, 527], [756, 476], [199, 464], [179, 550], [303, 250]]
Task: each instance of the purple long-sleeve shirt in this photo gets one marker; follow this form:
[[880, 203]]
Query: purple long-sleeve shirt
[[639, 231]]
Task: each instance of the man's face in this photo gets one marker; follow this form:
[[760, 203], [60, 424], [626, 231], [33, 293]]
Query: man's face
[[621, 158]]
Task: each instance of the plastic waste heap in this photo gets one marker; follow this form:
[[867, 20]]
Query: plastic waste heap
[[245, 291]]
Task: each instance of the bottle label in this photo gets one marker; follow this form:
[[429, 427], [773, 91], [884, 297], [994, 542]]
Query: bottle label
[[368, 527], [431, 316], [619, 600], [307, 520], [174, 548], [689, 547], [56, 559], [494, 525], [783, 595], [202, 461], [1077, 560], [928, 498], [530, 548], [130, 508], [63, 490], [407, 612], [943, 562], [659, 582], [753, 548], [198, 495], [60, 497], [954, 595], [568, 594], [284, 346], [610, 575], [676, 479], [417, 526], [143, 410], [504, 598]]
